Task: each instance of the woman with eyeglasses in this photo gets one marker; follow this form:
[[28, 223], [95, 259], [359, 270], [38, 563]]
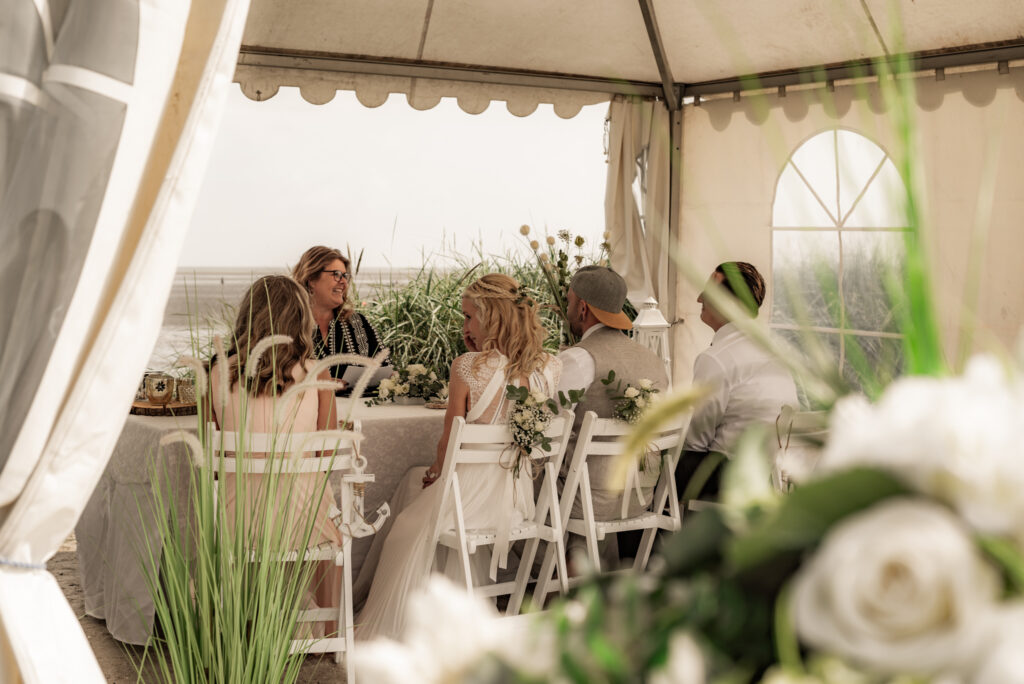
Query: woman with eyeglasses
[[325, 274]]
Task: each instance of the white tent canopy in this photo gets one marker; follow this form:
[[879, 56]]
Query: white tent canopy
[[571, 51]]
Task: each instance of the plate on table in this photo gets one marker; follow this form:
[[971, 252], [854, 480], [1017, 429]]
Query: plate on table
[[436, 404]]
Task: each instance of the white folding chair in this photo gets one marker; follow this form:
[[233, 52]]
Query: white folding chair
[[338, 455], [490, 444], [605, 437], [801, 436]]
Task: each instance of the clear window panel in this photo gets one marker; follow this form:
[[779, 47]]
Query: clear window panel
[[858, 160], [805, 278], [871, 363], [796, 206], [884, 202], [820, 352], [872, 268], [816, 160]]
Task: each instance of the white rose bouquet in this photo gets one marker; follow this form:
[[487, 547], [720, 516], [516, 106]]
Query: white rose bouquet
[[414, 380], [630, 402], [529, 415]]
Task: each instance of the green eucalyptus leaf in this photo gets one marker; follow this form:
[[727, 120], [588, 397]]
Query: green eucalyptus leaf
[[1008, 557], [808, 512]]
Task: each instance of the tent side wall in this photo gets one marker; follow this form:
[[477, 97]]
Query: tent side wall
[[970, 152]]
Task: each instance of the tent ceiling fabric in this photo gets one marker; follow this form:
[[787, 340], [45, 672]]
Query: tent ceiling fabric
[[503, 49]]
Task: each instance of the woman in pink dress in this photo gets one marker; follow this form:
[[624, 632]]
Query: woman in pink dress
[[502, 329], [250, 398]]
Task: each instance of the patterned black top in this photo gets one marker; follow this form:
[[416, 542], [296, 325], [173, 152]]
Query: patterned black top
[[352, 336]]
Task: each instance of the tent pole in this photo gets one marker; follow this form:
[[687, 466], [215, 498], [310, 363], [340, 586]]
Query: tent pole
[[660, 56], [669, 305]]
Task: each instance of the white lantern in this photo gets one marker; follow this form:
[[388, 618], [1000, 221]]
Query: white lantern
[[651, 330]]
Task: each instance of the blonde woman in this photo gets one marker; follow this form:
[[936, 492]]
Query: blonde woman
[[339, 329], [501, 322], [252, 402]]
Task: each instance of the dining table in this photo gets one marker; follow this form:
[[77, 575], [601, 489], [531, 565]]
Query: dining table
[[118, 533]]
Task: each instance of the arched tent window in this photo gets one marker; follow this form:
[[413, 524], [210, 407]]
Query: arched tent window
[[837, 239]]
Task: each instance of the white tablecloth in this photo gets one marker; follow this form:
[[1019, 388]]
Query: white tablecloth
[[110, 531]]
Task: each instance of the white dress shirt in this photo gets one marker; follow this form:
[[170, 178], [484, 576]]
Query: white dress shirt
[[748, 385], [578, 369]]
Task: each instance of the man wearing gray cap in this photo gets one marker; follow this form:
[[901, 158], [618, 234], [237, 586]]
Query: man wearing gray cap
[[596, 297]]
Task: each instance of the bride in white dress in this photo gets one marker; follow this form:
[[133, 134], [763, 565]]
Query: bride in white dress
[[502, 329]]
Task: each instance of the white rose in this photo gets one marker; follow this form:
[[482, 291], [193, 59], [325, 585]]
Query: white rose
[[685, 662], [1003, 660], [898, 588], [640, 402], [383, 391], [416, 370], [402, 389], [958, 439], [631, 392], [539, 396], [646, 384]]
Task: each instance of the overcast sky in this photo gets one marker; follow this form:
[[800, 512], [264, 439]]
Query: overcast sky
[[392, 181]]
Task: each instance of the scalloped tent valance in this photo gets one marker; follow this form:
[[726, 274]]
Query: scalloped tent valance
[[577, 52], [320, 87]]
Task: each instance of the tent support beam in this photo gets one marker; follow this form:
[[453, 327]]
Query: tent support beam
[[252, 55], [915, 62], [675, 178], [672, 99]]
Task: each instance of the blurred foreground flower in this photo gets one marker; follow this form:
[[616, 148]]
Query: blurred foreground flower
[[958, 439], [685, 662], [453, 636], [899, 588]]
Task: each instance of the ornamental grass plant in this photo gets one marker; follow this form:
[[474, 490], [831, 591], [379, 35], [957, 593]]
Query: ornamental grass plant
[[420, 321], [227, 595]]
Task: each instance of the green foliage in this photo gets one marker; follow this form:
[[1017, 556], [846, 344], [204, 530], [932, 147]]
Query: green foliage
[[722, 585], [420, 321]]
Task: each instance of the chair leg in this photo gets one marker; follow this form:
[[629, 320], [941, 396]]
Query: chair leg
[[515, 601], [643, 554], [460, 532], [349, 619], [588, 521], [547, 569]]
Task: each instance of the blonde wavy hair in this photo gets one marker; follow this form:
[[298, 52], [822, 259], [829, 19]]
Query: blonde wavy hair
[[509, 320], [274, 305], [312, 263]]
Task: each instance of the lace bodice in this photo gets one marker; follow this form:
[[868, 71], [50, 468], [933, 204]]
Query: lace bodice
[[477, 370]]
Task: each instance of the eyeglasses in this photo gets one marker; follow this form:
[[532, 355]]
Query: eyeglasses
[[338, 275]]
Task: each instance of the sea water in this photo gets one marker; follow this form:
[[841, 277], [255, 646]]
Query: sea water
[[203, 303]]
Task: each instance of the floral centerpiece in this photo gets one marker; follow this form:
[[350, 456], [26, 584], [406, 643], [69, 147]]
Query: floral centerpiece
[[558, 266], [414, 381]]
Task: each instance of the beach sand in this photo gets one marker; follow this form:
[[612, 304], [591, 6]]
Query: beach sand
[[116, 659]]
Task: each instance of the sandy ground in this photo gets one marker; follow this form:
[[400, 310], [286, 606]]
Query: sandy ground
[[117, 659]]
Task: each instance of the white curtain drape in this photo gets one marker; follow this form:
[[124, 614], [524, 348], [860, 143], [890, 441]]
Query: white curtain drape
[[99, 179], [639, 145]]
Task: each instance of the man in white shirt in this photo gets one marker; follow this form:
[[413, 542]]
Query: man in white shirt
[[747, 384]]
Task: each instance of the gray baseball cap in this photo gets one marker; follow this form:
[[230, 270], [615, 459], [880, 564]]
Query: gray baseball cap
[[604, 291]]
